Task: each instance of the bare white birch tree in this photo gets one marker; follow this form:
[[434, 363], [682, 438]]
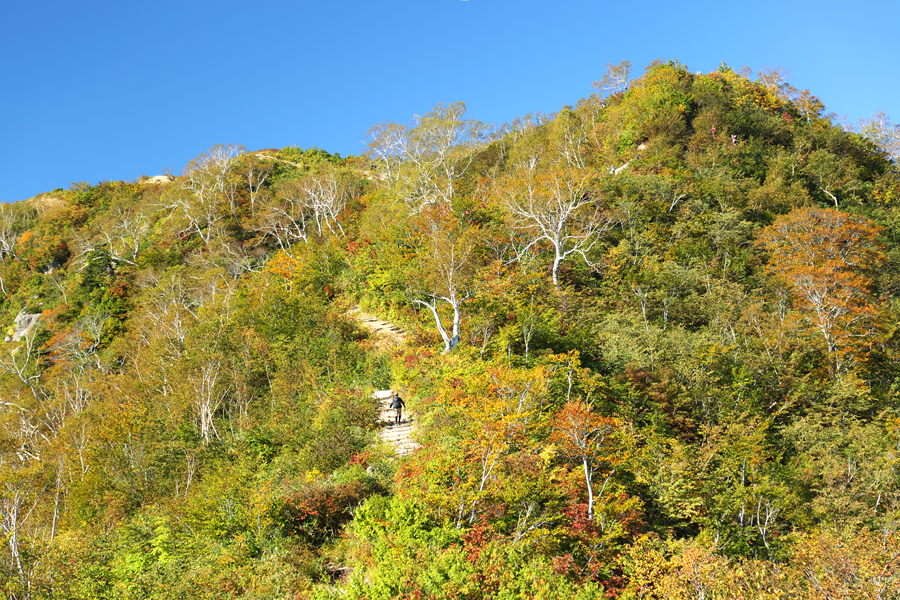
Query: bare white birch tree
[[883, 132], [326, 195], [124, 234], [209, 391], [555, 206], [445, 269], [309, 205], [257, 174], [616, 78], [422, 164], [12, 222], [21, 490], [286, 217], [209, 185]]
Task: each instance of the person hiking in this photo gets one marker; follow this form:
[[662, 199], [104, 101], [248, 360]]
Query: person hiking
[[398, 403]]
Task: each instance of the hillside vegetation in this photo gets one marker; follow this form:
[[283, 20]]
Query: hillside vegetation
[[652, 351]]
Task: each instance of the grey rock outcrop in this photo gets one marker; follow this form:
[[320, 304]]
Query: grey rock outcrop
[[22, 326]]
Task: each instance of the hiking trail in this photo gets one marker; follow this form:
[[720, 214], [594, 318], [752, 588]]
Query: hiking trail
[[398, 436]]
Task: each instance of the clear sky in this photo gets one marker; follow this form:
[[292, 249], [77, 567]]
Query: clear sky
[[105, 90]]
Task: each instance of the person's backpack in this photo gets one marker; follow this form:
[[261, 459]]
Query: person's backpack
[[396, 402]]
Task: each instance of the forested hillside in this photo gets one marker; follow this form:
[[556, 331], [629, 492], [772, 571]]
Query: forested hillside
[[652, 353]]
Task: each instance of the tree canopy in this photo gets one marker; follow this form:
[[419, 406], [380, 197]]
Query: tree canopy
[[652, 352]]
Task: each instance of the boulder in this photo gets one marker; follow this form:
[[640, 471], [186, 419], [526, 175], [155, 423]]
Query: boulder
[[22, 326]]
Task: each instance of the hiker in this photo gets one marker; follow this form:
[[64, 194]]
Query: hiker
[[398, 403]]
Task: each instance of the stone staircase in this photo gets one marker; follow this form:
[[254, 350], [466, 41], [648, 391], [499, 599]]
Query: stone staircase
[[382, 327], [399, 436]]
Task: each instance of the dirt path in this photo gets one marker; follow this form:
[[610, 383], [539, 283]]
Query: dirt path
[[399, 436], [379, 327]]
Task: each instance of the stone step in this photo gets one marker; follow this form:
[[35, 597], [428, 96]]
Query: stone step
[[395, 431], [396, 439], [388, 419], [391, 425], [398, 436]]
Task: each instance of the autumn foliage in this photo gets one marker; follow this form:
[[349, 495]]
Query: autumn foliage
[[825, 257], [650, 350]]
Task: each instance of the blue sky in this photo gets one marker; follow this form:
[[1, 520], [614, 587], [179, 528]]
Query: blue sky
[[102, 90]]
